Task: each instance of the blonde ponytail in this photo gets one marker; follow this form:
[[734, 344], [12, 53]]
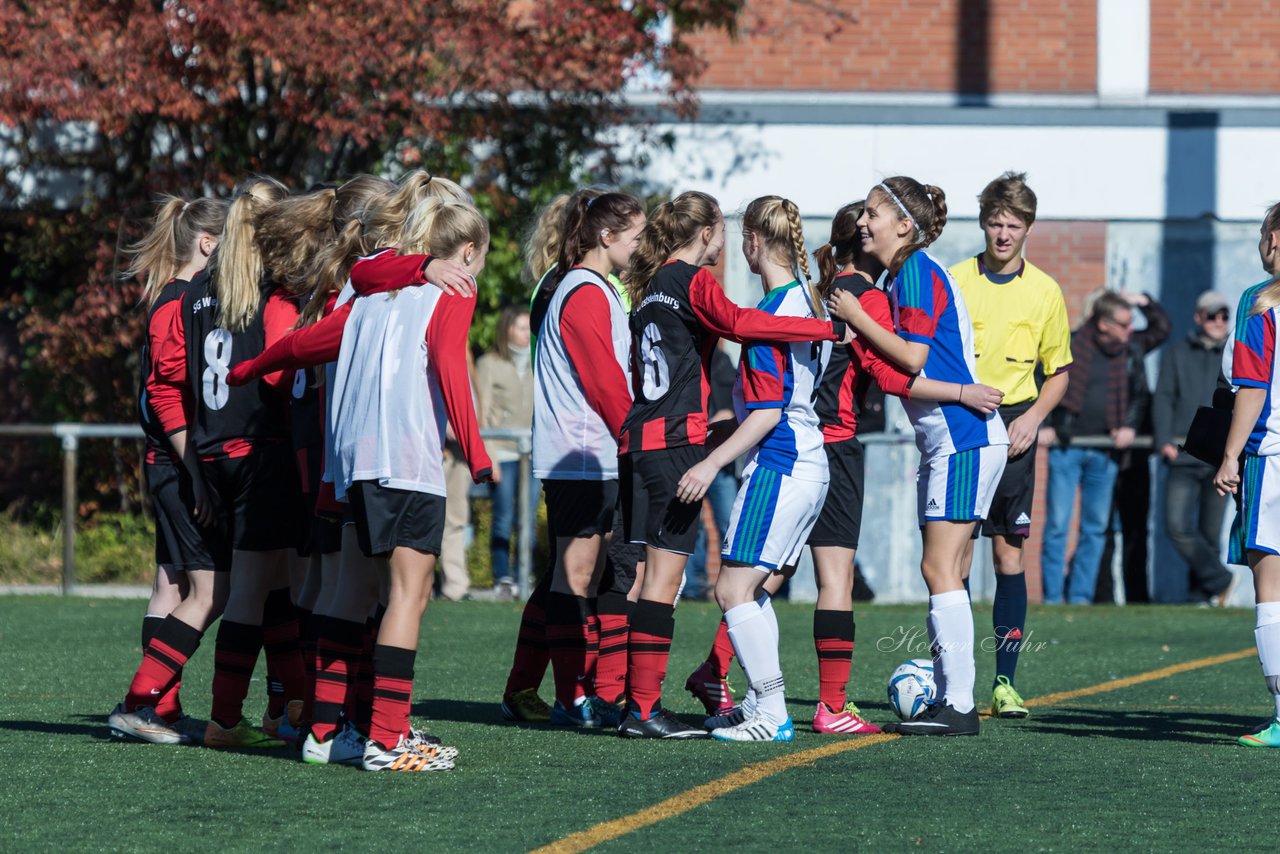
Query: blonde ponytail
[[801, 256], [237, 268], [170, 243]]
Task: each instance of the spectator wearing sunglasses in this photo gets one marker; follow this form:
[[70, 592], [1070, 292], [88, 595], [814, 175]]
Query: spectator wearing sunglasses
[[1107, 398], [1190, 370]]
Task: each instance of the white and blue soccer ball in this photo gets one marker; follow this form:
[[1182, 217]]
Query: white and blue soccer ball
[[911, 688]]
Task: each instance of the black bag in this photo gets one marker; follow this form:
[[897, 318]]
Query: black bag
[[1207, 436]]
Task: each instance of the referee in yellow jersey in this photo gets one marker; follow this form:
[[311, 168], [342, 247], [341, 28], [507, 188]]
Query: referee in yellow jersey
[[1019, 321]]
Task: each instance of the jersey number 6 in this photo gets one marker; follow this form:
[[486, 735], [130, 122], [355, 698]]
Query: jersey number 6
[[657, 376]]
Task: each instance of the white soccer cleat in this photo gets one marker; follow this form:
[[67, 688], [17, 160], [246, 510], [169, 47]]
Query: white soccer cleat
[[407, 755], [145, 725], [757, 728], [346, 747]]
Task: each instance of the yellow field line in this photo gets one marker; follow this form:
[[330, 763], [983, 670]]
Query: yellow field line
[[754, 773]]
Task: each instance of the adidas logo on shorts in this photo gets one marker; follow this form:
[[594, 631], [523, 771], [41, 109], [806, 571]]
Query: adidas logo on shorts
[[1023, 519], [932, 505]]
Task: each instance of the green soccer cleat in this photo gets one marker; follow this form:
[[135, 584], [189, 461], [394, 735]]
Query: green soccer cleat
[[1005, 701], [525, 705], [1268, 737]]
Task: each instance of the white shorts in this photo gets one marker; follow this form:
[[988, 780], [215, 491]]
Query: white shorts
[[772, 517], [959, 487], [1257, 525]]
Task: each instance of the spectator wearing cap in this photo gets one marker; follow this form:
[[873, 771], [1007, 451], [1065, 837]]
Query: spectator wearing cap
[[1190, 370]]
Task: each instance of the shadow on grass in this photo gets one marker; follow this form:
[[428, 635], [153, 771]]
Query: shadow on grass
[[1138, 725], [95, 727], [487, 714]]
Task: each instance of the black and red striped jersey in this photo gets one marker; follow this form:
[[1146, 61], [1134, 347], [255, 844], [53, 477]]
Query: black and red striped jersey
[[227, 421], [674, 330], [162, 408], [853, 368], [307, 426]]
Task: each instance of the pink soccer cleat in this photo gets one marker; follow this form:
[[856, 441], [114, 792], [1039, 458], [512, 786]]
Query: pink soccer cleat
[[847, 721], [713, 692]]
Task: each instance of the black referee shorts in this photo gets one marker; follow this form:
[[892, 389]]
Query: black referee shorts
[[1010, 514], [840, 521]]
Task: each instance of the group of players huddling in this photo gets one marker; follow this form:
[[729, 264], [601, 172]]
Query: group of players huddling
[[303, 355]]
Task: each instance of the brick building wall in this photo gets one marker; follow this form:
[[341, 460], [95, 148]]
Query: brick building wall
[[909, 46], [1215, 47]]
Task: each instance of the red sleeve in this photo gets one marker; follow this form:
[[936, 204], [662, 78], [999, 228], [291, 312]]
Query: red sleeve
[[722, 316], [886, 374], [279, 316], [167, 387], [584, 326], [302, 348], [762, 381], [389, 271], [446, 353]]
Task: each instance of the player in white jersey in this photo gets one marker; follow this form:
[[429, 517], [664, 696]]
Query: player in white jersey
[[581, 396], [1255, 438], [962, 443], [786, 477], [400, 369]]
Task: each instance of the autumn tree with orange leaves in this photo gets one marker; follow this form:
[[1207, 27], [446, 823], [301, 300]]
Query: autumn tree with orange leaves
[[104, 103]]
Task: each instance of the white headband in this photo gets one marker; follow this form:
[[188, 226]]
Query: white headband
[[897, 201]]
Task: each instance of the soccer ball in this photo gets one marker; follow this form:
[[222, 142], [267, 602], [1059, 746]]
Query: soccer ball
[[911, 688]]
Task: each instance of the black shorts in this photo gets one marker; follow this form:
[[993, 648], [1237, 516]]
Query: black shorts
[[840, 521], [322, 534], [180, 542], [651, 513], [580, 508], [1010, 513], [258, 498], [620, 560], [387, 517]]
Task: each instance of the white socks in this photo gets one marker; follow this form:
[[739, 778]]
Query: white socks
[[951, 637], [753, 631], [1267, 634]]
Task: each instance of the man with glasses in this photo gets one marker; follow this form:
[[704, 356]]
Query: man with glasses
[[1190, 370], [1106, 400]]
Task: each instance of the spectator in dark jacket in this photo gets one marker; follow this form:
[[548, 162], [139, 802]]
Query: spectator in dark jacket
[[1190, 370], [1106, 402]]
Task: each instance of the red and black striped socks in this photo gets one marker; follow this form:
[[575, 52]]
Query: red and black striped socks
[[613, 610], [833, 640], [235, 654], [286, 674], [532, 655], [653, 625], [339, 648], [392, 694], [721, 655], [171, 645], [568, 631]]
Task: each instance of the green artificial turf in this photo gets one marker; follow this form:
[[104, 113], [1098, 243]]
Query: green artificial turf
[[1149, 767]]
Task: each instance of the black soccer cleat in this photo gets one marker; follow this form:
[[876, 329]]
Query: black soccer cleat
[[938, 719], [661, 724]]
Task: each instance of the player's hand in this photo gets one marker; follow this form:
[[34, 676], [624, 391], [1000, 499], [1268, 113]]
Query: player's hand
[[1169, 451], [1048, 437], [1023, 431], [1124, 437], [201, 506], [845, 306], [695, 482], [849, 335], [239, 374], [982, 398], [1227, 480], [451, 277], [496, 476]]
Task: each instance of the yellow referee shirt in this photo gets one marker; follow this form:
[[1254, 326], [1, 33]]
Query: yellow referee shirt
[[1018, 319]]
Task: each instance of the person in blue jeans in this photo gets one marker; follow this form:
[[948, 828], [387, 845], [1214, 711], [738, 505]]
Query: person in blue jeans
[[1107, 399], [724, 489], [504, 392]]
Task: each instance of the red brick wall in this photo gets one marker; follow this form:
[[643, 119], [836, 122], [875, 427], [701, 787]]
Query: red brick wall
[[1214, 46], [906, 46]]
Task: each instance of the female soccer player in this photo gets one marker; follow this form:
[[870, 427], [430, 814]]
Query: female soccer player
[[581, 396], [241, 436], [190, 587], [388, 441], [680, 314], [1255, 437], [963, 451]]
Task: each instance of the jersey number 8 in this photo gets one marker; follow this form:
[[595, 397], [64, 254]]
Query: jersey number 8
[[657, 375], [217, 359]]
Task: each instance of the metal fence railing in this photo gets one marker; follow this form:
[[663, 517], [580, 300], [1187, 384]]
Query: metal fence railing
[[71, 434]]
